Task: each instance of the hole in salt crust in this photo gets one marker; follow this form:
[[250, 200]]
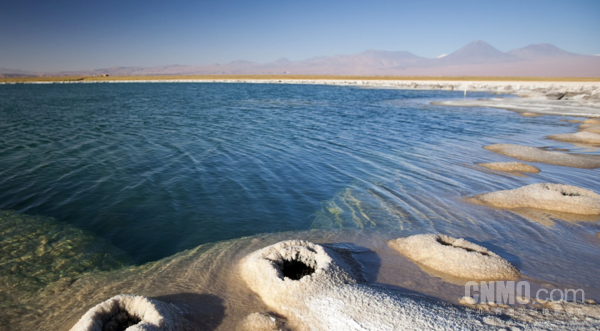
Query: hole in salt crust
[[119, 320], [295, 270], [566, 193], [445, 243], [570, 194]]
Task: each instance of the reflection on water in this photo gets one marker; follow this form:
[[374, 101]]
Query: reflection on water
[[180, 174]]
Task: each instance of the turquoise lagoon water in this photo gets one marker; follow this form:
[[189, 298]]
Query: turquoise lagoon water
[[144, 171]]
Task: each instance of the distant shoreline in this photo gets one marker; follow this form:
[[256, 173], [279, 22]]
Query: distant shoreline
[[504, 85], [270, 78]]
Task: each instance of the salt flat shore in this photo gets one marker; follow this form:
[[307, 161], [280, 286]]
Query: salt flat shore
[[450, 85], [538, 97]]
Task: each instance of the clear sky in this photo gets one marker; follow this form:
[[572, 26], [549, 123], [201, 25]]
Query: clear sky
[[54, 35]]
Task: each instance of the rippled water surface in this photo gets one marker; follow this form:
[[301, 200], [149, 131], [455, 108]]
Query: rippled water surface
[[154, 169]]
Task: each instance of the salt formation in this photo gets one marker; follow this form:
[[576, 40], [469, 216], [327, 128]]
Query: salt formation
[[294, 267], [579, 137], [467, 301], [456, 257], [594, 128], [555, 197], [132, 313], [510, 167], [532, 104], [261, 322], [544, 311], [534, 154], [591, 121], [527, 114], [316, 288]]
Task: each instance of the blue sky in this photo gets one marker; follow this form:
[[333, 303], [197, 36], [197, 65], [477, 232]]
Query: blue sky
[[75, 34]]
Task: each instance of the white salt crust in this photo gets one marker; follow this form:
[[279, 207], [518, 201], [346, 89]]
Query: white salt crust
[[262, 271], [261, 322], [538, 104], [510, 167], [554, 197], [534, 154], [132, 313], [545, 311], [456, 257], [332, 299]]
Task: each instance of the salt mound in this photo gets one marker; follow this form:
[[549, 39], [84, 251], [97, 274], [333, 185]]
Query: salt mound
[[534, 154], [456, 257], [591, 121], [510, 167], [530, 114], [555, 197], [579, 137], [315, 288], [132, 313], [594, 128], [293, 267]]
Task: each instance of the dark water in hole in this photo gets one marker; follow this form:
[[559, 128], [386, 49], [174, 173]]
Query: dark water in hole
[[154, 169]]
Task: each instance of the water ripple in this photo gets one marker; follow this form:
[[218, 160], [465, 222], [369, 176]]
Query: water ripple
[[158, 168]]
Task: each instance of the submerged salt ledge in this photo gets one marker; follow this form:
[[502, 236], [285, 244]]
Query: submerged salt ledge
[[534, 154], [510, 167], [132, 313], [553, 197], [457, 257]]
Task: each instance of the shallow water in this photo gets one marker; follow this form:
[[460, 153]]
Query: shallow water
[[150, 170]]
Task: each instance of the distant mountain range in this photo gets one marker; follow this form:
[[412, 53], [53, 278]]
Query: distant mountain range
[[475, 59]]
